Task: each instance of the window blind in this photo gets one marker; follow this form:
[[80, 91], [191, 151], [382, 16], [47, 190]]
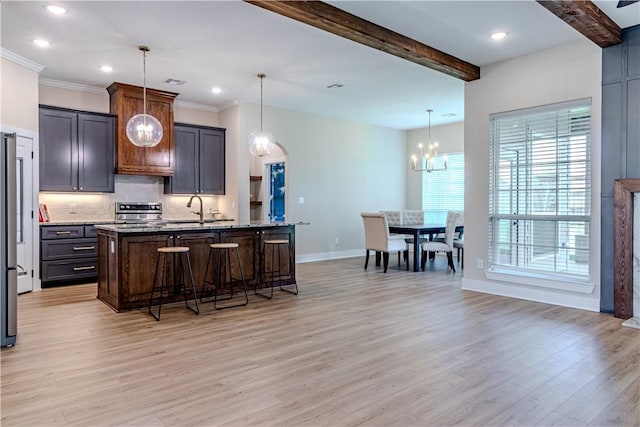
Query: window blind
[[540, 189], [443, 191]]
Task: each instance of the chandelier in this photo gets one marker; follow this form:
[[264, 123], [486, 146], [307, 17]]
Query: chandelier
[[144, 130], [261, 143], [426, 161]]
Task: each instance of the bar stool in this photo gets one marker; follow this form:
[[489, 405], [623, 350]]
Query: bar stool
[[220, 251], [180, 254], [275, 246]]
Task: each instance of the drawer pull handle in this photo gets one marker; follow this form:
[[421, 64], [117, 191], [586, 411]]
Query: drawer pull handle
[[93, 267], [83, 248], [62, 232]]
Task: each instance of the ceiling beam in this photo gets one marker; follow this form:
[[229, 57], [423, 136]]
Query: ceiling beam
[[336, 21], [588, 19]]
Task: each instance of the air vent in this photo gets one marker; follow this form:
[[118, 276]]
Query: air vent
[[335, 86], [176, 82]]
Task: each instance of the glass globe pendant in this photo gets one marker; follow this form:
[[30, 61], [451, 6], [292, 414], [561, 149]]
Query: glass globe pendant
[[261, 143], [144, 130]]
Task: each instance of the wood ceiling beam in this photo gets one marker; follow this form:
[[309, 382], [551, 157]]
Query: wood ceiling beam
[[336, 21], [587, 18]]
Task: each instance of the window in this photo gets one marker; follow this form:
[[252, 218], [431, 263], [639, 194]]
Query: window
[[443, 191], [540, 190]]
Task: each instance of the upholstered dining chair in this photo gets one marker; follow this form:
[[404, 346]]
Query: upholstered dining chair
[[377, 238], [447, 245], [393, 217], [412, 216]]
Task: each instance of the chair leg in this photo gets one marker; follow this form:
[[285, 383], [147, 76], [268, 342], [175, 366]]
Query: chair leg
[[450, 261], [385, 260], [366, 260]]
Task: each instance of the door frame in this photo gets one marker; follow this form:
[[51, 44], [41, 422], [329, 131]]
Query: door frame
[[266, 185], [35, 177]]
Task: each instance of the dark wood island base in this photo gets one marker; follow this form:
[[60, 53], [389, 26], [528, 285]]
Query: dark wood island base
[[127, 256]]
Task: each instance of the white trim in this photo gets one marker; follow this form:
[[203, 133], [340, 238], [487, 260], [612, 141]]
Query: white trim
[[195, 106], [20, 60], [549, 281], [72, 86], [37, 285], [547, 296], [324, 256]]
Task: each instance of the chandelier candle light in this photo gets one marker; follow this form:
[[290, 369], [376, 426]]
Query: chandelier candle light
[[261, 143], [429, 158], [144, 130]]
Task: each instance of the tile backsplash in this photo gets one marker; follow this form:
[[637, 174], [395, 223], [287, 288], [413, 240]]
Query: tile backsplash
[[128, 188]]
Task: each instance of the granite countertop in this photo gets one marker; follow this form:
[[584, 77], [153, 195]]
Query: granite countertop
[[104, 221], [181, 226]]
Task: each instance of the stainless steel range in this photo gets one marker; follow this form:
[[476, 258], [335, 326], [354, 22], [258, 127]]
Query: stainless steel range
[[139, 213]]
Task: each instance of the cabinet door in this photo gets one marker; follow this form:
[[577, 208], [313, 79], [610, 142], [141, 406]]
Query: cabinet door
[[198, 244], [96, 156], [58, 150], [185, 179], [138, 256], [248, 241], [212, 161], [126, 101]]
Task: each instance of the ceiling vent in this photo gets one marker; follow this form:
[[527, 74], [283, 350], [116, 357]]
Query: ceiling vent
[[175, 82], [335, 86]]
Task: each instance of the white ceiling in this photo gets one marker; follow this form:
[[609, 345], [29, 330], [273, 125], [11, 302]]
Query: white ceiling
[[226, 43]]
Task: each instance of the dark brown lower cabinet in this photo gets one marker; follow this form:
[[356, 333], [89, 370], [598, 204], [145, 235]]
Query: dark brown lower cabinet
[[126, 261]]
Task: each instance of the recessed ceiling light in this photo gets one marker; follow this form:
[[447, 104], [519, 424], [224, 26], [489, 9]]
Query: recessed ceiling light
[[216, 90], [41, 43], [56, 10], [499, 35], [106, 68]]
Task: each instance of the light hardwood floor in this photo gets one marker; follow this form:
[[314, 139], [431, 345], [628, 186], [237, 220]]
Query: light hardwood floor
[[353, 348]]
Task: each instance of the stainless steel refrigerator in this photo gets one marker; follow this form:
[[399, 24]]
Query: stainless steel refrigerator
[[8, 241]]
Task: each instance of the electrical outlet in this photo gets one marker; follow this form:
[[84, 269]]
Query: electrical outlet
[[301, 200], [336, 241], [479, 263]]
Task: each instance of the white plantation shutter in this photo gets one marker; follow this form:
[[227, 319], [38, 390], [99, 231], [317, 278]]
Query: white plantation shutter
[[443, 191], [540, 189]]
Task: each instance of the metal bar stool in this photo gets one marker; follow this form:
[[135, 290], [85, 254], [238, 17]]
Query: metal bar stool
[[220, 251], [276, 280], [180, 253]]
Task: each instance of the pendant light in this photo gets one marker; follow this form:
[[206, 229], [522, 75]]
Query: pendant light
[[144, 130], [429, 157], [261, 143]]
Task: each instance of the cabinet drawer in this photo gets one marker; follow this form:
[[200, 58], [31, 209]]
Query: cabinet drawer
[[70, 248], [69, 270], [90, 231], [61, 231]]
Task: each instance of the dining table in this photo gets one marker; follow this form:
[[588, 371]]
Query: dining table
[[417, 230]]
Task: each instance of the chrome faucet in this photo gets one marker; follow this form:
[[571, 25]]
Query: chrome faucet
[[200, 213]]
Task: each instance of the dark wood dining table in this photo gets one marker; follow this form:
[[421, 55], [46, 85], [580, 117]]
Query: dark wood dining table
[[417, 230]]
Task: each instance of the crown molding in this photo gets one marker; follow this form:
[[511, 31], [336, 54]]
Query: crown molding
[[21, 60], [73, 86], [195, 106], [228, 106]]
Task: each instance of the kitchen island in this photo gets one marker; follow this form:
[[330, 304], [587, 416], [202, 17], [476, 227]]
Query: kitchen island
[[127, 256]]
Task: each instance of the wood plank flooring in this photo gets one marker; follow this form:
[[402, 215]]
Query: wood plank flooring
[[353, 348]]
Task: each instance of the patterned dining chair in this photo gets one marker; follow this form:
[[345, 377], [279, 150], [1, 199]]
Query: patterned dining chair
[[377, 238], [447, 245]]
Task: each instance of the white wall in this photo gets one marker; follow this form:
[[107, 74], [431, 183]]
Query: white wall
[[563, 73], [451, 140], [340, 168], [18, 95]]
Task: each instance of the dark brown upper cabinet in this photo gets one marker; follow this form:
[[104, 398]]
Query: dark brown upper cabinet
[[126, 102]]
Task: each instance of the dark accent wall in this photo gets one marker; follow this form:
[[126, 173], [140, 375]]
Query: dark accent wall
[[620, 141]]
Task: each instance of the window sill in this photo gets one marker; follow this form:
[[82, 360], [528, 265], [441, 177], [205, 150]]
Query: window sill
[[569, 284]]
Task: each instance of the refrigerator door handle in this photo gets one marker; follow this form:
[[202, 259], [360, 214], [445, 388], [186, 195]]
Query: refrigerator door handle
[[23, 272]]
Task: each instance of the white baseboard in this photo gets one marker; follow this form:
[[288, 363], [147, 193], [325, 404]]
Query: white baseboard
[[547, 296], [323, 256]]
